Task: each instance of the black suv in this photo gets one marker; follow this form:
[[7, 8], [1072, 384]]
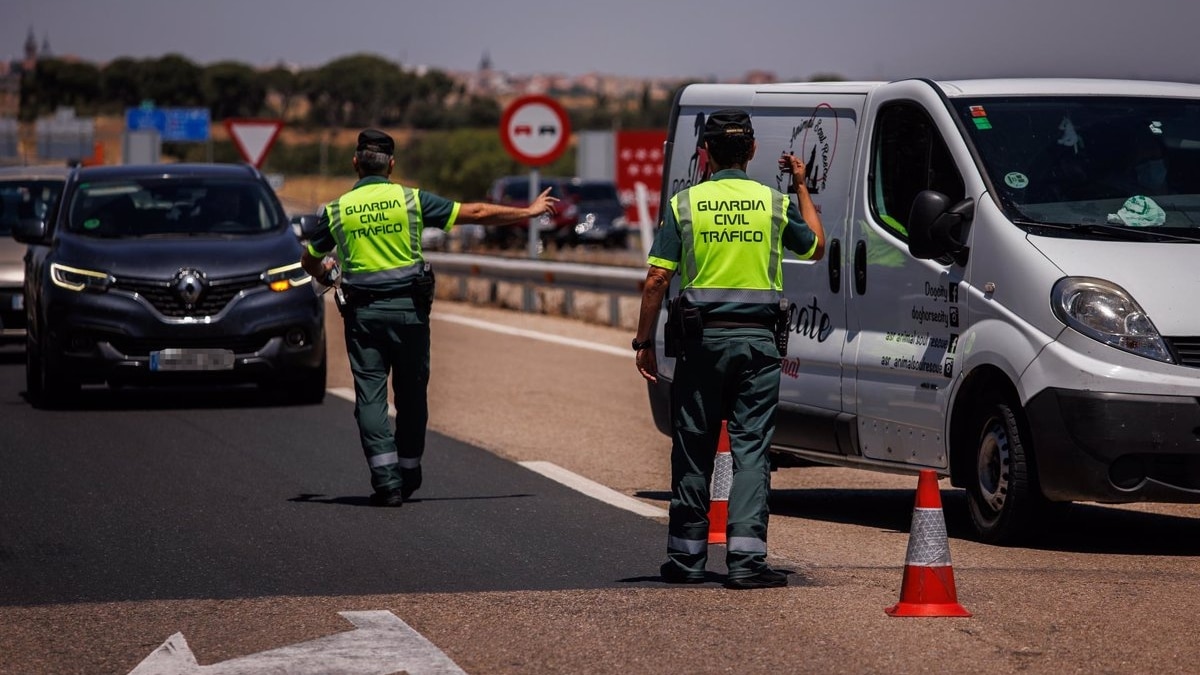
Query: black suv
[[169, 274]]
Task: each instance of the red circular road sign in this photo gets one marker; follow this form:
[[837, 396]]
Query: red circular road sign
[[535, 130]]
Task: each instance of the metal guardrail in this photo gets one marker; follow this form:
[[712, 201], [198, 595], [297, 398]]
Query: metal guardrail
[[620, 288]]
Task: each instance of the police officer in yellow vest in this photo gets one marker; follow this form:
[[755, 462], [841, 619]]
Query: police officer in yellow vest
[[726, 238], [374, 231]]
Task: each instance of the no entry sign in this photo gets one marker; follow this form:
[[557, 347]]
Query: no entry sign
[[535, 130]]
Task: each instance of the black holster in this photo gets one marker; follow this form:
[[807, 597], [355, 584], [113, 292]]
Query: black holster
[[783, 325], [423, 289], [684, 327]]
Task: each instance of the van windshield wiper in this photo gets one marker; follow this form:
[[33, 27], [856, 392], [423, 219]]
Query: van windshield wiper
[[1115, 231]]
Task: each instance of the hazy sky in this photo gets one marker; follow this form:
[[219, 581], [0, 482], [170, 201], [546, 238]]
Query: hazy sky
[[858, 39]]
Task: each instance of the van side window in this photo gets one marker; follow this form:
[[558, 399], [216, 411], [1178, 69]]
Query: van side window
[[909, 156]]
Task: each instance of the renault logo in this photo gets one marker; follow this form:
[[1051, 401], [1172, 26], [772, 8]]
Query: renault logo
[[189, 284]]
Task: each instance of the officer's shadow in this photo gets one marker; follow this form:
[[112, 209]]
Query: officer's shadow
[[365, 500]]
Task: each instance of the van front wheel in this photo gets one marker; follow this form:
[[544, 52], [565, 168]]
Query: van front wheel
[[1002, 495]]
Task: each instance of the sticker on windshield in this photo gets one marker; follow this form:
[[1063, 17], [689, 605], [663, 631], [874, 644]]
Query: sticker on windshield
[[1016, 180], [91, 223]]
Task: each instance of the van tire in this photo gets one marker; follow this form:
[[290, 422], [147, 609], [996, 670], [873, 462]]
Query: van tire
[[1002, 494]]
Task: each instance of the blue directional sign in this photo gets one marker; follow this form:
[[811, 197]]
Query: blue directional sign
[[172, 124]]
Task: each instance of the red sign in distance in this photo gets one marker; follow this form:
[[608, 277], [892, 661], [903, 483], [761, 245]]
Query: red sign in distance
[[253, 138], [535, 130], [639, 155]]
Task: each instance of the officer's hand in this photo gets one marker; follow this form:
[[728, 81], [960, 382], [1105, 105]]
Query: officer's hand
[[544, 204], [647, 364], [790, 163]]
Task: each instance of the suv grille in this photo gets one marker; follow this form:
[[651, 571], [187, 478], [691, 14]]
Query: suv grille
[[161, 293], [1185, 349]]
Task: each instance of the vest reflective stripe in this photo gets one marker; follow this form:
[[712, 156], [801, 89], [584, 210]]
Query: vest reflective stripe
[[692, 546], [386, 459], [732, 225], [746, 545], [378, 234]]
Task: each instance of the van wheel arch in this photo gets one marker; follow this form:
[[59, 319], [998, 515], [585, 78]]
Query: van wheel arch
[[1004, 498]]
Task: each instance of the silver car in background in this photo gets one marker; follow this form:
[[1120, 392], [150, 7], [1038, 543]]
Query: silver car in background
[[26, 193]]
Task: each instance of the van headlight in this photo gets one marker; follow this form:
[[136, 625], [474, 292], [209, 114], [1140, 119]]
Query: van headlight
[[76, 279], [287, 277], [1103, 311]]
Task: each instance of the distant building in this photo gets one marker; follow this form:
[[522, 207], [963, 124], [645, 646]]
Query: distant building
[[11, 72]]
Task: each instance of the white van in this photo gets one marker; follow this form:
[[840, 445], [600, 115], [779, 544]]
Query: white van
[[1011, 293]]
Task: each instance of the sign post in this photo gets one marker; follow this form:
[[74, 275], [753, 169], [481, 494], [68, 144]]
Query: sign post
[[535, 130], [253, 138]]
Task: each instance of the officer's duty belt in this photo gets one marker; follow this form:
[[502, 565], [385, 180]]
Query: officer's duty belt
[[358, 296], [736, 321]]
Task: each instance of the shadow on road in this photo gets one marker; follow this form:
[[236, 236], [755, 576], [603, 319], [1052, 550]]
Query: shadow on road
[[365, 500], [1077, 528]]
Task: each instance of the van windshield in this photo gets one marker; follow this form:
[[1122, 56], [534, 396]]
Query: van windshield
[[171, 206], [1087, 160]]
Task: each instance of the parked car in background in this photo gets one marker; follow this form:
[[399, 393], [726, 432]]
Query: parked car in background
[[169, 274], [599, 215], [26, 192], [514, 191]]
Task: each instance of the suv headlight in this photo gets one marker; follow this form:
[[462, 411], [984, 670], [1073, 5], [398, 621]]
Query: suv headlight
[[1105, 312], [286, 278], [75, 279]]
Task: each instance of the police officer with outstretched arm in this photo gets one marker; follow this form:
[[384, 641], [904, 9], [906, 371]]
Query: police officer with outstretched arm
[[374, 231], [726, 238]]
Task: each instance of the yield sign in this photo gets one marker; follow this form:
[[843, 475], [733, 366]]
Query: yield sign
[[253, 138]]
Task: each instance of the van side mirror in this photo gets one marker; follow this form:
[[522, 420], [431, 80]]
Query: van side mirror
[[30, 231], [937, 229], [305, 226]]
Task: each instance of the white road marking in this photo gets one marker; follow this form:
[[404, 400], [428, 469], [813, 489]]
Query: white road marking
[[533, 335], [593, 489], [380, 643], [552, 471]]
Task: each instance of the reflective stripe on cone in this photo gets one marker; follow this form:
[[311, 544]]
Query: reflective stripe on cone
[[722, 483]]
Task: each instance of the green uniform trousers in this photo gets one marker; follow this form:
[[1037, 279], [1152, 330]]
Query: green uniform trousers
[[389, 336], [733, 375]]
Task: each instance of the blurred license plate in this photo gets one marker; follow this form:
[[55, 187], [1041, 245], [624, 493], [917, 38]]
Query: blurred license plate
[[191, 359]]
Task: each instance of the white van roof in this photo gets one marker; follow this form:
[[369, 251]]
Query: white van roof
[[737, 94]]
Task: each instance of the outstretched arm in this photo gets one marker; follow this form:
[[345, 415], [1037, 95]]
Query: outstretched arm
[[483, 213], [808, 211]]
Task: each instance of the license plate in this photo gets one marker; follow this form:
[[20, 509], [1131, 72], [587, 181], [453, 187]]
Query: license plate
[[191, 359]]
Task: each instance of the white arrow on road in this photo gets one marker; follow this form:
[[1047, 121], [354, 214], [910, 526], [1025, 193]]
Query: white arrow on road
[[381, 643]]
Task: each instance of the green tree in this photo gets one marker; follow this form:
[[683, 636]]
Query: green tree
[[121, 83], [55, 83], [233, 90], [285, 86], [359, 91], [172, 80]]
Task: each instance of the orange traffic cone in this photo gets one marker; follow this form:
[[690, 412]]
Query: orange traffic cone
[[928, 586], [722, 481]]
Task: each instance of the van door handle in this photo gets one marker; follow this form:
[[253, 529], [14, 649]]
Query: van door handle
[[835, 265], [860, 268]]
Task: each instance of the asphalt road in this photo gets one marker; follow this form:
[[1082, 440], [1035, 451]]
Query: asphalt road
[[241, 526]]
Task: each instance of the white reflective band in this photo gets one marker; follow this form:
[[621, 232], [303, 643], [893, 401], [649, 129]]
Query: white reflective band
[[410, 462], [747, 545], [383, 460], [722, 479], [927, 543], [692, 546]]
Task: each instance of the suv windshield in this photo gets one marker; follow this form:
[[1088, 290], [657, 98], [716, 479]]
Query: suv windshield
[[26, 199], [1087, 160], [171, 206]]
